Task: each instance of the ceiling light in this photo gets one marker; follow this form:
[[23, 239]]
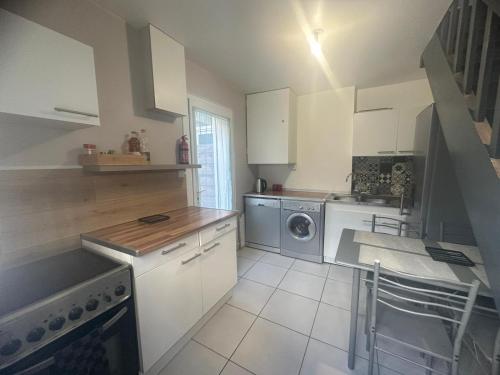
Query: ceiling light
[[314, 43]]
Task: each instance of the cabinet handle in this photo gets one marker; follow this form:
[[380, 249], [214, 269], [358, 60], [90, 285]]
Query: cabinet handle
[[190, 259], [59, 109], [261, 205], [223, 227], [165, 252], [406, 151], [211, 247], [386, 152]]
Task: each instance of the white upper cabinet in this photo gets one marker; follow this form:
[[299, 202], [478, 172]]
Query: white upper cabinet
[[166, 89], [375, 133], [46, 78], [385, 132], [272, 127], [406, 129]]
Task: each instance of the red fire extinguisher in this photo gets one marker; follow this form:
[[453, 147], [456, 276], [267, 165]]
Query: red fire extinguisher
[[183, 150]]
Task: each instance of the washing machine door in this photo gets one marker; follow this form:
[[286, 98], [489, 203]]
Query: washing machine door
[[301, 226]]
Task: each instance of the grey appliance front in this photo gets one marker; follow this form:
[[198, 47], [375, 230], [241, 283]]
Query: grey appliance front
[[262, 223], [302, 230]]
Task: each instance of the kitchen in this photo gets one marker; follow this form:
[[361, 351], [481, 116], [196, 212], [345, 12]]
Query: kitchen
[[169, 258]]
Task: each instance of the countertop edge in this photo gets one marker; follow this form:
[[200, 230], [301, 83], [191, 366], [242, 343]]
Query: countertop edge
[[285, 197], [139, 253]]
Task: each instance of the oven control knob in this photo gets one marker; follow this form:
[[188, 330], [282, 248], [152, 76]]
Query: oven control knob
[[106, 298], [75, 313], [119, 290], [35, 334], [10, 347], [57, 323], [92, 304]]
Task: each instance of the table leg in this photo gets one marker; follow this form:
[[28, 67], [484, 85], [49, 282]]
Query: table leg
[[354, 317]]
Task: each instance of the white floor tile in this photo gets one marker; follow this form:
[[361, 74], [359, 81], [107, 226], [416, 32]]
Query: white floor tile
[[250, 253], [340, 273], [277, 260], [306, 285], [250, 296], [338, 293], [324, 359], [266, 274], [195, 359], [244, 264], [270, 349], [332, 326], [224, 331], [318, 269], [291, 310], [233, 369]]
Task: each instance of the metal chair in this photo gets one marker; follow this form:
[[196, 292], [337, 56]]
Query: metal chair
[[402, 227], [399, 314]]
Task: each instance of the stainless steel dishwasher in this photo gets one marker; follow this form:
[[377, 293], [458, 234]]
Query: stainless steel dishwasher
[[262, 223]]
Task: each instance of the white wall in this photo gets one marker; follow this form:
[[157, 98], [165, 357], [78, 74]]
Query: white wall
[[324, 143], [88, 23], [401, 95]]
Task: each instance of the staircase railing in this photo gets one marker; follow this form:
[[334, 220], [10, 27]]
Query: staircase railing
[[462, 62]]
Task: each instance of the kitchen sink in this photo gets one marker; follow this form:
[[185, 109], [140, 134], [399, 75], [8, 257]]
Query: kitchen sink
[[358, 198]]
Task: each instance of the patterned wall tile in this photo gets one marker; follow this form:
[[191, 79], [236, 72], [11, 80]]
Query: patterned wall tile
[[383, 175]]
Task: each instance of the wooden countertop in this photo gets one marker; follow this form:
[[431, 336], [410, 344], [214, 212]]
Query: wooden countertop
[[291, 194], [136, 238]]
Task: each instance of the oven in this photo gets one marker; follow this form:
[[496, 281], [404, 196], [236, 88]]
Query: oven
[[105, 345]]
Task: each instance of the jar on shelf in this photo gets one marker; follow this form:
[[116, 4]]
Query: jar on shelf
[[89, 149], [134, 145]]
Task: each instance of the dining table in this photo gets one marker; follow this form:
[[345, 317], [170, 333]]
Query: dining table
[[359, 250]]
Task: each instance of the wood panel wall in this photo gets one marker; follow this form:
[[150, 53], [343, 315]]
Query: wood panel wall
[[45, 211]]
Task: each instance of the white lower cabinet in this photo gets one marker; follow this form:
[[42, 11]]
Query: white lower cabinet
[[169, 303], [218, 268], [358, 217]]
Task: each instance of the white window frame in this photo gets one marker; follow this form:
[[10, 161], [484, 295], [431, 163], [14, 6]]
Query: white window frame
[[188, 128]]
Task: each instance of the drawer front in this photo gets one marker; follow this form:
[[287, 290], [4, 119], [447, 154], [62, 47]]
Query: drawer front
[[154, 259], [217, 230]]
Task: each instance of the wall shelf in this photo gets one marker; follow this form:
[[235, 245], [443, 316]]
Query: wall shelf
[[138, 168]]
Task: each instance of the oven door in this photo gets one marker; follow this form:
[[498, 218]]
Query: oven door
[[105, 345]]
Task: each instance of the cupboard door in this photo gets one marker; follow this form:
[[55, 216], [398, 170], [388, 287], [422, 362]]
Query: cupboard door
[[218, 269], [406, 129], [168, 67], [375, 133], [268, 117], [45, 77], [169, 303], [339, 217]]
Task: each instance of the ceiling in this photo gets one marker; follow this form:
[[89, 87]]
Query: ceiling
[[263, 44]]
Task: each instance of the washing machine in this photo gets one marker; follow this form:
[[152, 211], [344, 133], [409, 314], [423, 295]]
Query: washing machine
[[302, 224]]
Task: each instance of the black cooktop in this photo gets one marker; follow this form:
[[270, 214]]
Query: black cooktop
[[23, 285]]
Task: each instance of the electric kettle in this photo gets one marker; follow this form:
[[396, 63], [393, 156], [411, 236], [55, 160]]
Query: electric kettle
[[260, 185]]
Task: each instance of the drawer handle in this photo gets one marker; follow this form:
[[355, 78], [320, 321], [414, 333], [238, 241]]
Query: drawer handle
[[406, 151], [223, 227], [261, 205], [192, 258], [386, 152], [165, 252], [211, 247]]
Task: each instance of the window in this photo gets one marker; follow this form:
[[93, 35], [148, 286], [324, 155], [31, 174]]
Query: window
[[213, 182]]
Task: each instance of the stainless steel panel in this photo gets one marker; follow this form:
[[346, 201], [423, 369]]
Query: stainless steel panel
[[262, 221]]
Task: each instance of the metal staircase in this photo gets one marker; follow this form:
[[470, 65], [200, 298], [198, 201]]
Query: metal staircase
[[462, 62]]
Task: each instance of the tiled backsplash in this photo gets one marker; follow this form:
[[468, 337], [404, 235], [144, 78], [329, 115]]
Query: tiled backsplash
[[385, 175]]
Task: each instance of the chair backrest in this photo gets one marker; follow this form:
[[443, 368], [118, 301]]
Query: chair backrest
[[405, 290], [401, 227]]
